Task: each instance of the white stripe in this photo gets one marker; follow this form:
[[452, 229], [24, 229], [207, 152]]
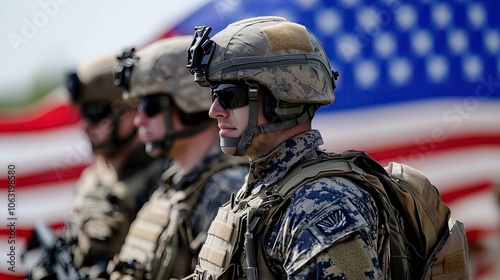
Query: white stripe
[[460, 167], [50, 203], [478, 211], [45, 151], [415, 122]]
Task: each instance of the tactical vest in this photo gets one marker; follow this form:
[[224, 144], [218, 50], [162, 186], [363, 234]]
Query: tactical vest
[[231, 235], [154, 237], [104, 209], [230, 251]]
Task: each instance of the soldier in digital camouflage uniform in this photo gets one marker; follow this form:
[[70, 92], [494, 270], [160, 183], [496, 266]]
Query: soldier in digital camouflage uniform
[[110, 191], [268, 77], [164, 240]]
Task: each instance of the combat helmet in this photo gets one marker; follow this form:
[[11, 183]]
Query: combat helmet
[[284, 57], [159, 69], [91, 88], [93, 82]]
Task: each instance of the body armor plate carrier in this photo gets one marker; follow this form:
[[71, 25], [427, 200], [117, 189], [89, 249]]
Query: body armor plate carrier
[[151, 247], [409, 203]]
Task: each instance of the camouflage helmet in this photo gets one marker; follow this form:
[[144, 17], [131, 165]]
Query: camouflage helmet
[[160, 68], [283, 56], [93, 82]]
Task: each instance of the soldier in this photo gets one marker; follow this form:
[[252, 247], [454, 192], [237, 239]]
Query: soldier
[[164, 240], [268, 77], [110, 191]]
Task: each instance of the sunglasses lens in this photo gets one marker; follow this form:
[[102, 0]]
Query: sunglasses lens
[[96, 112], [150, 105], [230, 96]]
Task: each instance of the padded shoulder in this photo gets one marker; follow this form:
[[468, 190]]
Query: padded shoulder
[[326, 228], [321, 214]]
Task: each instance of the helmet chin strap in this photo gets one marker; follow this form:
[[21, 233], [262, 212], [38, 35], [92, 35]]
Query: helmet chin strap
[[245, 140], [160, 148], [156, 149], [114, 143]]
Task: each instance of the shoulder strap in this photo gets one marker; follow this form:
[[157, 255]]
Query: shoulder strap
[[327, 164], [219, 164]]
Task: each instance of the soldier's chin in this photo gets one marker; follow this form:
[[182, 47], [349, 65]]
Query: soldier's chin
[[153, 150], [99, 150], [228, 150]]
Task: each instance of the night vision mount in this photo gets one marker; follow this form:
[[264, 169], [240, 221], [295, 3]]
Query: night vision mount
[[74, 86], [123, 70], [199, 54]]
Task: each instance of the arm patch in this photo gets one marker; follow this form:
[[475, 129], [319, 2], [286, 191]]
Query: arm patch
[[323, 230]]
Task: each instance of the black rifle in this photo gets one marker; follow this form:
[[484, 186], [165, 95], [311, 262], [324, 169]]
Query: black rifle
[[57, 258]]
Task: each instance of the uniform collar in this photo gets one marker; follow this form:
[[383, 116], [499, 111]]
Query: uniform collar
[[268, 169], [179, 182]]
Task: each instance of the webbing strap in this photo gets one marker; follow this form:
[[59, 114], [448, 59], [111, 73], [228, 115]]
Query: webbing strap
[[146, 230], [255, 62], [154, 212], [213, 255], [312, 169], [221, 230]]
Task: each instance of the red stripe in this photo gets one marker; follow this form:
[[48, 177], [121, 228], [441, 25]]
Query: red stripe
[[423, 148], [59, 116], [481, 250], [459, 192], [6, 276], [54, 175], [475, 236], [170, 33]]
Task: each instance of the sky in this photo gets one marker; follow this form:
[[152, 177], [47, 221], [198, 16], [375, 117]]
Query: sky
[[45, 38]]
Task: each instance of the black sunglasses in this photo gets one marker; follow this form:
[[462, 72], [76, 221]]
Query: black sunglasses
[[150, 105], [96, 112], [230, 96]]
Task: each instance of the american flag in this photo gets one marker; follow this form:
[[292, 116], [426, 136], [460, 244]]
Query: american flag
[[419, 84]]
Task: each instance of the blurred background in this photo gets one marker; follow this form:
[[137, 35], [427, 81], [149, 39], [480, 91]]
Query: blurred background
[[419, 84]]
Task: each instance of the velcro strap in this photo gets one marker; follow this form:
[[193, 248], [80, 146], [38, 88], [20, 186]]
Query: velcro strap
[[154, 215], [146, 230], [143, 244], [455, 263], [212, 255], [221, 230], [128, 253], [160, 204]]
